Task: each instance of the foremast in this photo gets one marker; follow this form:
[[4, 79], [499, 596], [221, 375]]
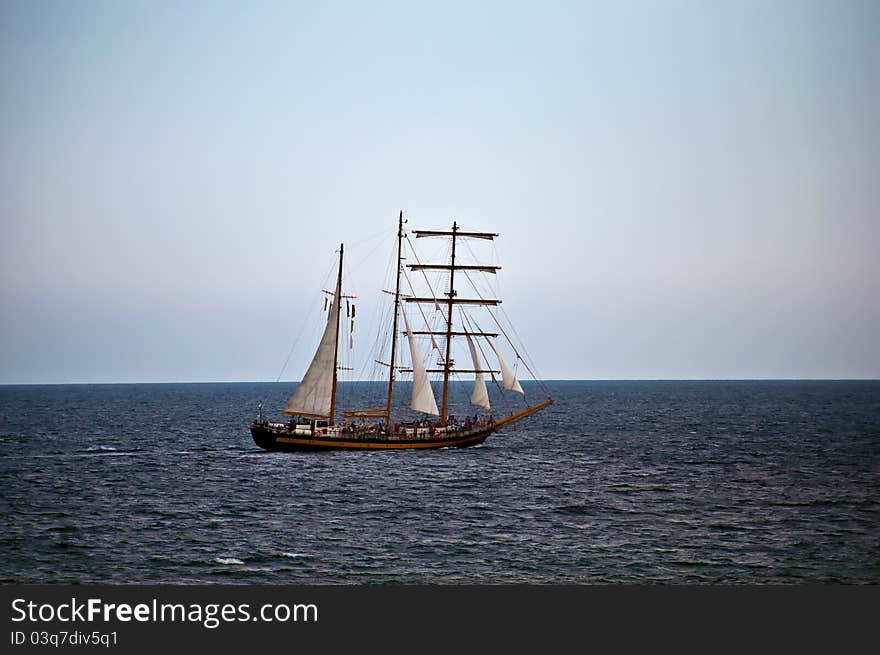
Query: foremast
[[447, 361], [452, 299]]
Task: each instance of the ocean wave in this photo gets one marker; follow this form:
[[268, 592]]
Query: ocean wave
[[228, 560], [583, 497]]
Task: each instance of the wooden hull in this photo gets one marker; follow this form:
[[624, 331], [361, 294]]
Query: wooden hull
[[275, 437], [271, 439]]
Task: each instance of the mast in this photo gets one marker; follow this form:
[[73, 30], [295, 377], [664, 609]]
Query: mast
[[451, 300], [315, 397], [449, 304], [394, 325], [337, 300]]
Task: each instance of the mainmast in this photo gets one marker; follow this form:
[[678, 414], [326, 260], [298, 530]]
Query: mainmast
[[337, 300], [394, 325]]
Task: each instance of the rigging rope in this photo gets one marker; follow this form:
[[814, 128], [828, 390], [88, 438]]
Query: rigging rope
[[501, 328], [303, 327]]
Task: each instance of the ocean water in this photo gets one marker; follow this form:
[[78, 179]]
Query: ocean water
[[743, 482]]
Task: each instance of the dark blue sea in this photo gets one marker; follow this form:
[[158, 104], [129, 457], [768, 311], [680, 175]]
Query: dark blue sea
[[702, 482]]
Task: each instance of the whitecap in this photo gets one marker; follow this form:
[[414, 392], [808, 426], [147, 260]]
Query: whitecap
[[293, 555], [228, 560]]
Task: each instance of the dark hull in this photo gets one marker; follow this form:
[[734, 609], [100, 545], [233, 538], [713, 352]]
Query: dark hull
[[270, 439]]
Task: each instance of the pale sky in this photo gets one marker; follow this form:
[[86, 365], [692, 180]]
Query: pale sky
[[682, 189]]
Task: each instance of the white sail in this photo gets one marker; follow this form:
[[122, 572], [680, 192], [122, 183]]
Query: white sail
[[313, 395], [422, 395], [508, 379], [480, 395]]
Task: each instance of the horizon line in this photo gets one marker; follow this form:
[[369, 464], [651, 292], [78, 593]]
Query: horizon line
[[672, 379]]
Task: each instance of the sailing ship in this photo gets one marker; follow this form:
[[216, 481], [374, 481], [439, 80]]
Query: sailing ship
[[314, 422]]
